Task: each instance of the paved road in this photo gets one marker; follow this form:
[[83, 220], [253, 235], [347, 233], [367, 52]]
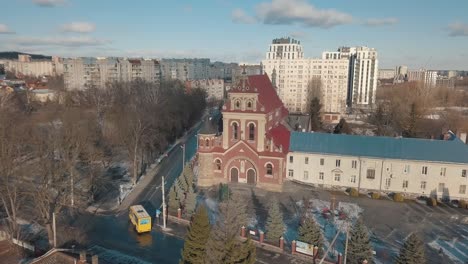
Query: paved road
[[112, 236]]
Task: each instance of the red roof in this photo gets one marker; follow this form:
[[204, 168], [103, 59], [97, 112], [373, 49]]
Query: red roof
[[262, 85], [280, 135]]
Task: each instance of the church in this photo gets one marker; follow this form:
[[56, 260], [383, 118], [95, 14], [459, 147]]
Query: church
[[248, 143]]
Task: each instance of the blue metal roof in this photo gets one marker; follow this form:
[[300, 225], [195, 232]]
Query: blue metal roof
[[454, 150]]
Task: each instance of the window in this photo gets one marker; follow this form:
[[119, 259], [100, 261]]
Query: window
[[251, 131], [207, 142], [407, 169], [424, 170], [354, 164], [338, 163], [442, 171], [463, 173], [235, 131], [462, 189], [218, 164], [237, 104], [370, 174], [249, 105], [321, 176], [322, 162], [441, 187], [388, 182], [423, 185], [337, 177], [290, 173], [291, 159], [405, 184], [306, 160], [353, 178], [306, 175], [269, 169]]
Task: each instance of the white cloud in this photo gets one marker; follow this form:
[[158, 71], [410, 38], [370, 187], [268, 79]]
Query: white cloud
[[49, 3], [240, 16], [79, 27], [60, 41], [5, 30], [458, 29], [298, 34], [287, 12], [373, 22]]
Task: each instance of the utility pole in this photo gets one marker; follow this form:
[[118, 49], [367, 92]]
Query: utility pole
[[163, 204], [183, 156], [54, 229], [346, 243], [72, 191]]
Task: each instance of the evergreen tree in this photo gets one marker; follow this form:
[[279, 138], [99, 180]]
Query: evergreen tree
[[411, 122], [194, 251], [314, 114], [309, 232], [224, 245], [190, 202], [359, 247], [182, 183], [174, 202], [188, 176], [412, 251], [342, 128], [275, 225]]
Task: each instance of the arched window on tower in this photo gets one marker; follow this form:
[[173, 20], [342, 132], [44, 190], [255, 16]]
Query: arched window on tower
[[251, 132], [207, 142], [249, 105], [235, 131], [218, 164], [269, 169], [237, 104]]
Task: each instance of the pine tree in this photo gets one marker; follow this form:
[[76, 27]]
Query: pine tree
[[194, 251], [275, 225], [309, 232], [314, 114], [342, 128], [190, 202], [224, 245], [412, 251], [359, 247], [188, 176], [182, 183], [174, 203]]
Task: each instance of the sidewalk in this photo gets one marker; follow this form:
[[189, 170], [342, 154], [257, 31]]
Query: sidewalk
[[143, 181]]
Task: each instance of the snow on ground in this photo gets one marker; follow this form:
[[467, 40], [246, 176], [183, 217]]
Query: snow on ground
[[115, 257], [456, 249]]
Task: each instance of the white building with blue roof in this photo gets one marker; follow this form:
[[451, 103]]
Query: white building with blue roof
[[414, 167]]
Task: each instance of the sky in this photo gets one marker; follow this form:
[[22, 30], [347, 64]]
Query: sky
[[429, 34]]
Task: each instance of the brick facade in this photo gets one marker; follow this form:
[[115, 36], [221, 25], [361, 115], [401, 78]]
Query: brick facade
[[253, 144]]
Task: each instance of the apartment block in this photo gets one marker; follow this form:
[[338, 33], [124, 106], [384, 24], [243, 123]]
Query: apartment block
[[292, 74], [85, 72], [37, 68], [428, 78], [185, 69], [213, 87]]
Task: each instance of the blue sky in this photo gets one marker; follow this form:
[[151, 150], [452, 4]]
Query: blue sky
[[418, 33]]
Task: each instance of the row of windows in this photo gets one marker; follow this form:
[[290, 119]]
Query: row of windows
[[352, 179], [235, 131], [424, 169], [268, 166]]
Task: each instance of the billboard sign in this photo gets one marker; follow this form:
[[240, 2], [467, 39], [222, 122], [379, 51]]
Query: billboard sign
[[304, 248]]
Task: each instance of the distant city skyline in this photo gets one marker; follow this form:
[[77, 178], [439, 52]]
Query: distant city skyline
[[420, 34]]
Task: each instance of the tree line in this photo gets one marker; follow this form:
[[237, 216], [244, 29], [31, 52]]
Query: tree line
[[54, 156]]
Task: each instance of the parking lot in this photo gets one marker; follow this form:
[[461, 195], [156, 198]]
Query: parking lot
[[444, 229]]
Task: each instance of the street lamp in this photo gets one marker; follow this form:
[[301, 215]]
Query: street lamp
[[183, 155]]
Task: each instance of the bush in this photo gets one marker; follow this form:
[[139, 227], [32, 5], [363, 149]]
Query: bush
[[463, 204], [353, 192], [431, 201], [375, 195], [398, 197]]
